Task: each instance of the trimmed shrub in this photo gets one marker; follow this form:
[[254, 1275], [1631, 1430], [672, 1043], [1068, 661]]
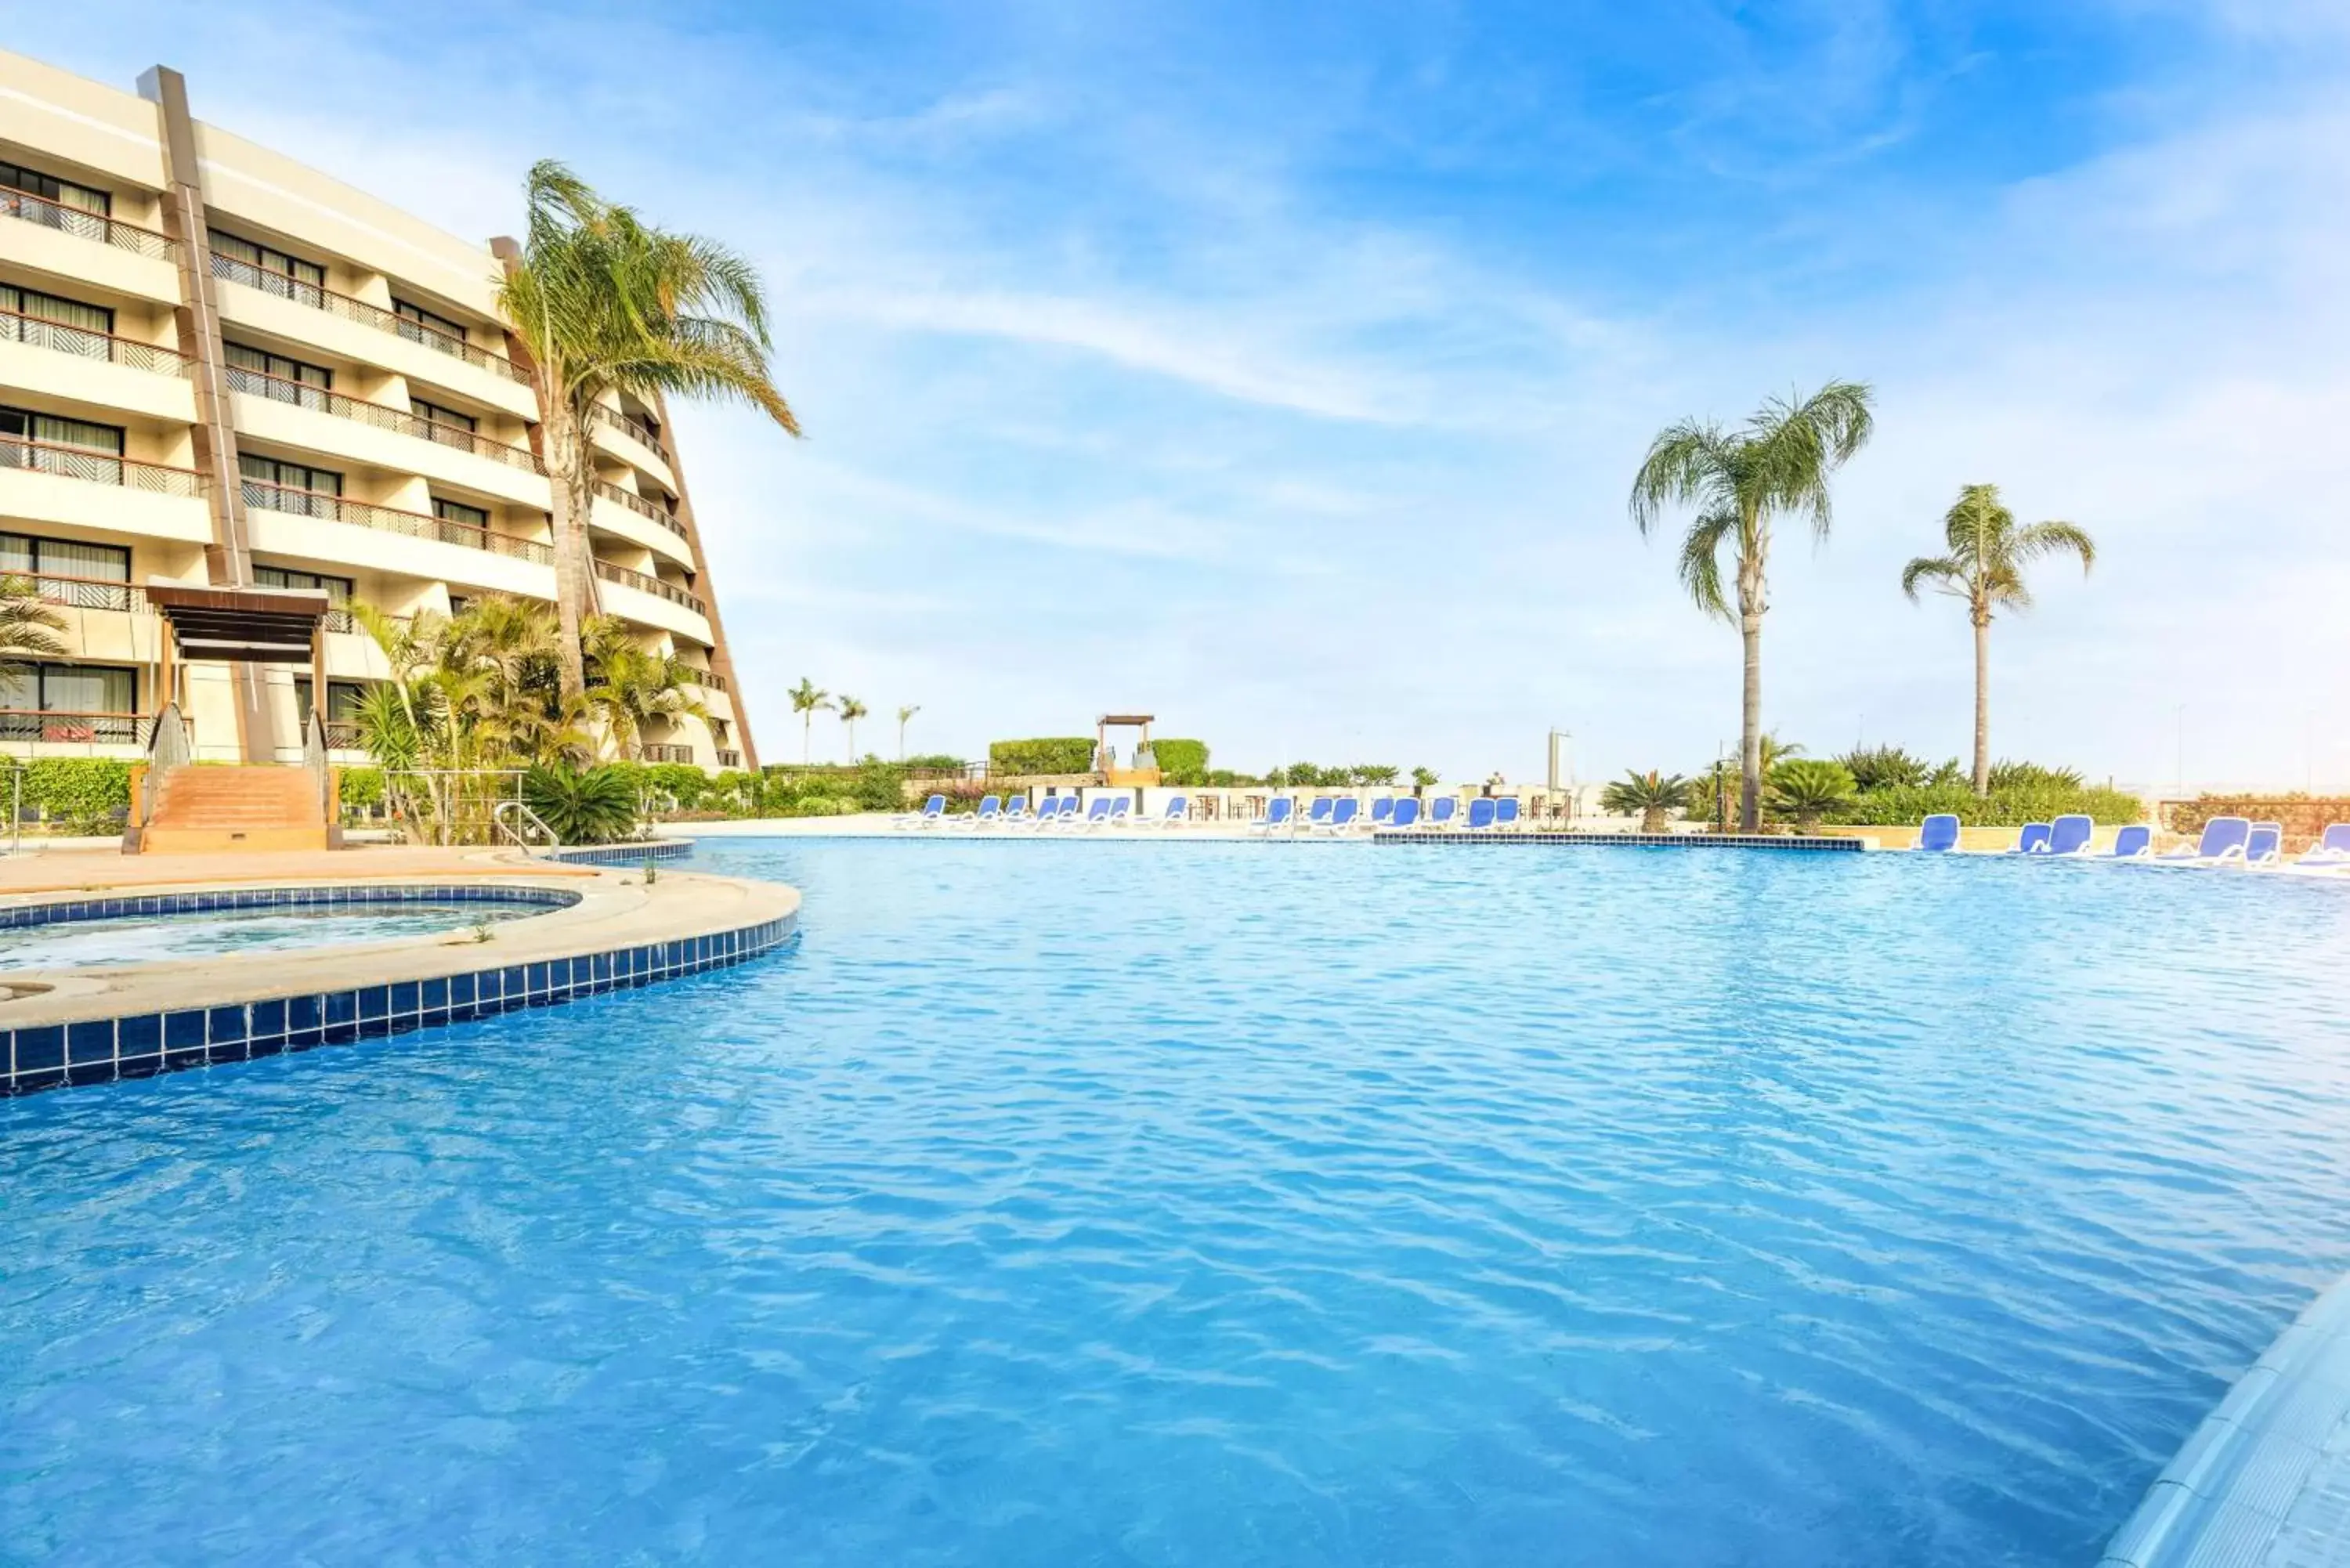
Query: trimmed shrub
[[88, 795], [361, 788], [1053, 754], [1181, 762], [2004, 808]]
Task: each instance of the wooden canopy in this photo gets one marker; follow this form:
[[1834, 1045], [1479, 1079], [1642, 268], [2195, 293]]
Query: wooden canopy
[[261, 626]]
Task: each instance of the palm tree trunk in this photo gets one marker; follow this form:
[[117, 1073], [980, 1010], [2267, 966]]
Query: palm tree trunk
[[1982, 706], [572, 477], [807, 738], [1750, 752]]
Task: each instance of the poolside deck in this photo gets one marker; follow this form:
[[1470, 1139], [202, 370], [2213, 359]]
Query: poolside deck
[[95, 870], [2265, 1481]]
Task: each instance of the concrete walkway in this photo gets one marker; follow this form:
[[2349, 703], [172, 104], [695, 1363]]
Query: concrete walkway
[[62, 871]]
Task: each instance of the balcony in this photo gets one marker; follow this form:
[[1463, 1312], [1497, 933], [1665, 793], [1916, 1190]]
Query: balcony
[[231, 269], [378, 416], [640, 506], [39, 210], [84, 344], [390, 520], [711, 680], [660, 752], [635, 429], [97, 467], [647, 584], [88, 731], [729, 759], [83, 593]]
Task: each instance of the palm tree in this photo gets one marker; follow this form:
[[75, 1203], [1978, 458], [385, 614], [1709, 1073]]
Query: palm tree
[[1650, 795], [1808, 789], [28, 628], [852, 709], [607, 303], [1778, 461], [1985, 567], [634, 686], [905, 716], [807, 699]]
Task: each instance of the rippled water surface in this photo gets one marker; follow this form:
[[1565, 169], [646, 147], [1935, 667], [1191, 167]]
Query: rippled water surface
[[1181, 1205], [156, 938]]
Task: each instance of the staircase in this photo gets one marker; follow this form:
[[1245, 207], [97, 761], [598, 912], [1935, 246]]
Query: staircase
[[202, 810]]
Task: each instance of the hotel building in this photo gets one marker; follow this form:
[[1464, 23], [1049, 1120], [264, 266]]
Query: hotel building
[[220, 367]]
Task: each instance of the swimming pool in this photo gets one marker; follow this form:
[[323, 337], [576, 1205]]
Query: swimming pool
[[221, 933], [1213, 1204]]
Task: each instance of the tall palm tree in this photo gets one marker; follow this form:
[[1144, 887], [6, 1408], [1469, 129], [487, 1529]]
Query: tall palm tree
[[607, 303], [633, 686], [905, 716], [852, 709], [1737, 481], [807, 699], [28, 628], [1985, 569]]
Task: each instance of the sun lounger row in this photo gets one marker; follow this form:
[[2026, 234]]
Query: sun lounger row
[[2226, 841], [1326, 815], [1054, 811]]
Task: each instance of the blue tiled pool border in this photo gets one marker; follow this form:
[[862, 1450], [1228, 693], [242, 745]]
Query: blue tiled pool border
[[658, 849], [62, 911], [105, 1050], [1786, 842]]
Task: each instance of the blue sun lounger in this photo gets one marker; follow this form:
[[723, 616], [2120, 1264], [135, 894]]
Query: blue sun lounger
[[1341, 818], [1015, 812], [933, 811], [1938, 834], [2264, 845], [1178, 809], [1319, 812], [2332, 848], [1505, 812], [1099, 812], [1277, 814], [2069, 836], [1382, 812], [1407, 813], [1442, 809], [1480, 814], [991, 809], [2223, 840], [2135, 842], [2033, 840]]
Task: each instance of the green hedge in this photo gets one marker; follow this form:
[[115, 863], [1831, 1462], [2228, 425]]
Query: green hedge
[[363, 788], [1054, 754], [2004, 808], [88, 795], [1181, 762]]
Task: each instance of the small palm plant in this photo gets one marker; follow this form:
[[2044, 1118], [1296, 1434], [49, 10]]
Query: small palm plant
[[591, 806], [1649, 795], [852, 709], [808, 699], [1808, 788], [28, 628]]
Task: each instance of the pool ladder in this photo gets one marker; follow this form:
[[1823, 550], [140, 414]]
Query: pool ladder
[[519, 823]]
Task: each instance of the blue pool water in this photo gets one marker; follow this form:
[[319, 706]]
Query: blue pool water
[[1206, 1205], [221, 933]]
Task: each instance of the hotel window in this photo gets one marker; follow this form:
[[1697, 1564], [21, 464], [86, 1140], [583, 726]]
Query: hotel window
[[70, 688], [271, 271], [293, 487], [48, 444], [458, 512], [64, 193], [66, 325], [274, 376], [338, 589], [68, 571], [419, 324], [343, 698], [445, 425]]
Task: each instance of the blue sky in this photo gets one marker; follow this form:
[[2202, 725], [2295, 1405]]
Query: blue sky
[[1282, 369]]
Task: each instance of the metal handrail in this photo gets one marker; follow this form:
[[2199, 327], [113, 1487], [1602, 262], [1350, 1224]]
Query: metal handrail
[[81, 592], [62, 337], [96, 467], [383, 416], [638, 504], [49, 215], [647, 584], [391, 520], [317, 296], [632, 427], [524, 820], [168, 747]]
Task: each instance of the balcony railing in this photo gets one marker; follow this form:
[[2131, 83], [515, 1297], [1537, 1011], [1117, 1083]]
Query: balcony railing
[[342, 735], [83, 344], [77, 728], [640, 506], [647, 584], [727, 759], [655, 751], [233, 269], [96, 467], [49, 215], [383, 416], [390, 520], [81, 592], [711, 680], [635, 429]]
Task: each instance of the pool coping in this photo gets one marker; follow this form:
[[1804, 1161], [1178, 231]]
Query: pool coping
[[2266, 1478], [619, 931], [1802, 843]]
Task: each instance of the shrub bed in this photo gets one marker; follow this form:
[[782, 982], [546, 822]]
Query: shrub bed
[[1052, 754]]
